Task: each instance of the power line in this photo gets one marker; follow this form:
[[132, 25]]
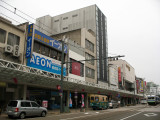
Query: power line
[[27, 15]]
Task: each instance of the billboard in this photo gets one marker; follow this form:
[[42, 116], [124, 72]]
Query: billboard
[[45, 63], [76, 68], [29, 40], [49, 41]]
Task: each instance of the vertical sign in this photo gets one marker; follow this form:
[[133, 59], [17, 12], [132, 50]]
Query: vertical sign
[[29, 41], [119, 75], [70, 100]]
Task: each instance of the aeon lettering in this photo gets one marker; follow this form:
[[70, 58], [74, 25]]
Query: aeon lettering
[[45, 63], [42, 62]]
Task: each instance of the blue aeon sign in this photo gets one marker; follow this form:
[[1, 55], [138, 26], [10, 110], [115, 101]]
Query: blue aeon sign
[[29, 41], [45, 63]]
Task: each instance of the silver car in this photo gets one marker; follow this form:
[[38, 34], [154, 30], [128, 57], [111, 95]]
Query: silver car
[[113, 104], [23, 108]]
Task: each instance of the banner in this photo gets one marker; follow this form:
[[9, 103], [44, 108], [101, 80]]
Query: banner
[[119, 75], [29, 41]]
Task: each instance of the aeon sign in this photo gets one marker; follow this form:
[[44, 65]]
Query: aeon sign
[[45, 63]]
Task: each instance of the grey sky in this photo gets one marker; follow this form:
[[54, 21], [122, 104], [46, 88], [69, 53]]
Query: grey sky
[[133, 27]]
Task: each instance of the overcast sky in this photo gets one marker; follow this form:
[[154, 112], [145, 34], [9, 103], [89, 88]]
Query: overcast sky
[[133, 27]]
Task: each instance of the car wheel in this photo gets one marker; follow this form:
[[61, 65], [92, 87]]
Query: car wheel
[[43, 114], [22, 115]]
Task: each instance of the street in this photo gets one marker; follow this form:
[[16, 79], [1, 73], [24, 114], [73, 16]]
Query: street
[[138, 112]]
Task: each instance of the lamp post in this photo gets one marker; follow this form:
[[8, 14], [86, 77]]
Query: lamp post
[[61, 83]]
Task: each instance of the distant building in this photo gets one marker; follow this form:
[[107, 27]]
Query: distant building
[[126, 74]]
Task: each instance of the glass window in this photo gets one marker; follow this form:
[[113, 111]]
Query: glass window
[[2, 36], [36, 47], [13, 39], [59, 56], [34, 104], [13, 104], [89, 45], [53, 54], [92, 98], [25, 104]]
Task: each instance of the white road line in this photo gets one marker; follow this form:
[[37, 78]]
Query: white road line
[[130, 116]]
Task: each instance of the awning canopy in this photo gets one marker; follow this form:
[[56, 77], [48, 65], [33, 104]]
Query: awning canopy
[[10, 71]]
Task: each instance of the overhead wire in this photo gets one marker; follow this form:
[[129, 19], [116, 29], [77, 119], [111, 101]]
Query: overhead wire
[[36, 25]]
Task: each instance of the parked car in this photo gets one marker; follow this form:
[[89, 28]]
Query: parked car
[[23, 108], [113, 104]]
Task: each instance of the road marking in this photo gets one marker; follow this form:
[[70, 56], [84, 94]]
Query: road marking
[[150, 114], [86, 113], [97, 112], [130, 116]]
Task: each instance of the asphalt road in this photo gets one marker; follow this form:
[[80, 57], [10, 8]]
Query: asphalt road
[[138, 112]]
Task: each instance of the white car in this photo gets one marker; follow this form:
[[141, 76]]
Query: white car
[[23, 108]]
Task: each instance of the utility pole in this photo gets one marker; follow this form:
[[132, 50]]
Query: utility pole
[[61, 91]]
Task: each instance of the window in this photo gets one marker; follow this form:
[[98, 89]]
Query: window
[[74, 15], [65, 28], [97, 99], [92, 98], [90, 59], [2, 36], [65, 18], [34, 104], [89, 45], [13, 104], [36, 47], [53, 54], [25, 104], [56, 21], [13, 39], [90, 73]]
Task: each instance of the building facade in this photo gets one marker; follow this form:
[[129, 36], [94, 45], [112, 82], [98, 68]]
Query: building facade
[[127, 81], [91, 18]]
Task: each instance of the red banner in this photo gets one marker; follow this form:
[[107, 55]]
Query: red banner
[[119, 75], [76, 67]]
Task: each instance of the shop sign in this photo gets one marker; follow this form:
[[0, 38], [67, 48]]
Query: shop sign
[[2, 84], [119, 75], [49, 41], [29, 41], [45, 103], [45, 63]]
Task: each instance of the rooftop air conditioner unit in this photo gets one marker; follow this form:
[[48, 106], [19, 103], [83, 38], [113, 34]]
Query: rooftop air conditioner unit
[[16, 51], [8, 48]]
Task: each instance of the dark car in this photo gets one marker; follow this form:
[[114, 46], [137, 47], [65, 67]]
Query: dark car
[[23, 108], [113, 104]]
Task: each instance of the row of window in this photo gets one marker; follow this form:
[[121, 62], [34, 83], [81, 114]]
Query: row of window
[[11, 40], [45, 50], [65, 18]]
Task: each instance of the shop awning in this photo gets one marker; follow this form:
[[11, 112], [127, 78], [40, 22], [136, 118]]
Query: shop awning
[[21, 74]]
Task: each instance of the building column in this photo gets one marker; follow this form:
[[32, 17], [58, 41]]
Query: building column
[[68, 97], [86, 100], [24, 92]]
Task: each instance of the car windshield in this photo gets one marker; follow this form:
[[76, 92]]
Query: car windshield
[[13, 103]]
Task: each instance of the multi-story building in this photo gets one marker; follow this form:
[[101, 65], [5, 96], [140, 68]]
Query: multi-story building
[[91, 18], [127, 79], [12, 47]]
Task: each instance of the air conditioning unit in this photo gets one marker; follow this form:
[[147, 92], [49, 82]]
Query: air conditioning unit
[[16, 51], [8, 48]]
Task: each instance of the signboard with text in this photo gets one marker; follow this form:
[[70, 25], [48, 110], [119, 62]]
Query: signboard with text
[[45, 63]]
